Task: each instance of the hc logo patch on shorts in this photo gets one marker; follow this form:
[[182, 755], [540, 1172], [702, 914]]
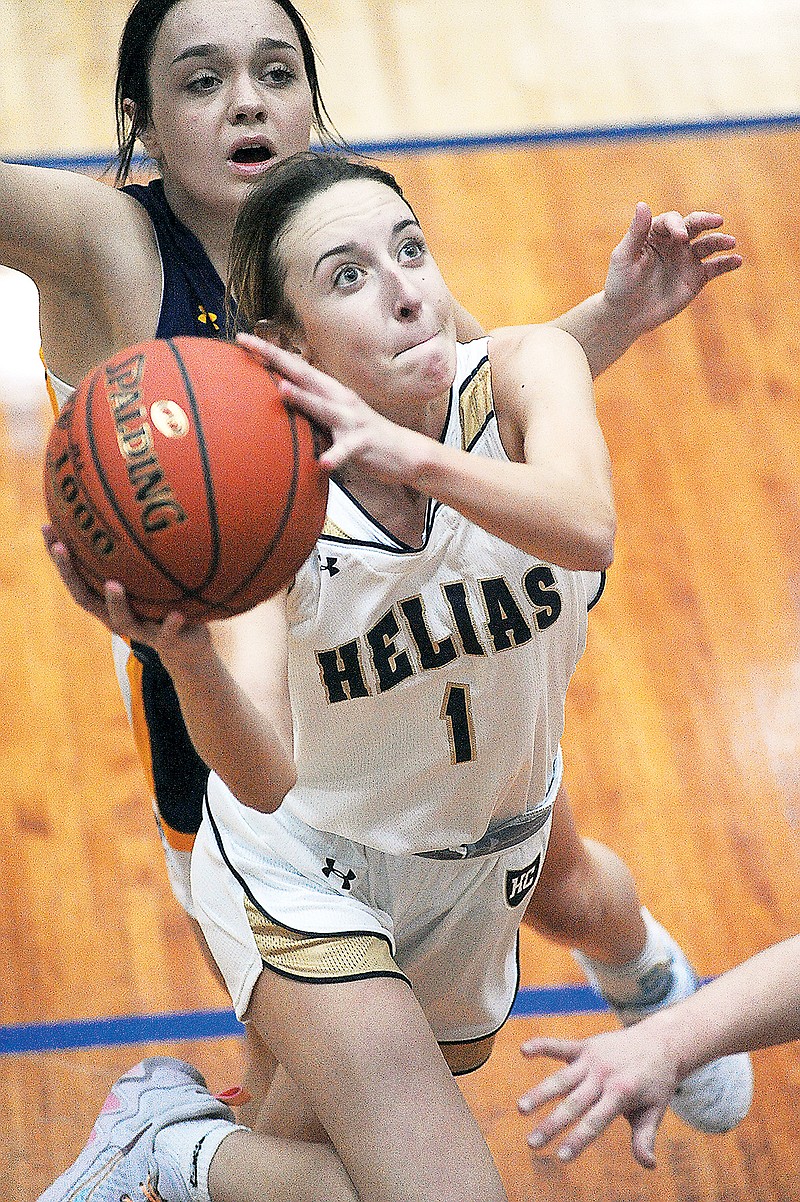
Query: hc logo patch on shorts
[[520, 881]]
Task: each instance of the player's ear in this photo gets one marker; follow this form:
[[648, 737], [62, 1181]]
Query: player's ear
[[146, 135], [279, 334]]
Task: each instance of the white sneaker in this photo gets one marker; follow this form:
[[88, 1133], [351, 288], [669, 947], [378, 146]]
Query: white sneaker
[[119, 1163], [714, 1098]]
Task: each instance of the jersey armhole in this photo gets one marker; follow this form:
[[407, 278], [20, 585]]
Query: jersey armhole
[[600, 590]]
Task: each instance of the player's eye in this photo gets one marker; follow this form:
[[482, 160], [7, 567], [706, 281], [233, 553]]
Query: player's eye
[[280, 74], [411, 250], [203, 83], [347, 276]]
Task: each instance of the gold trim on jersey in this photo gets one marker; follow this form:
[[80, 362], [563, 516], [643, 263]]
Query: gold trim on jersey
[[332, 530], [466, 1057], [309, 957], [475, 404]]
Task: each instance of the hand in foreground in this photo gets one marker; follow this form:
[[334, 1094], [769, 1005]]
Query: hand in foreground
[[615, 1073], [358, 433], [662, 263], [174, 636]]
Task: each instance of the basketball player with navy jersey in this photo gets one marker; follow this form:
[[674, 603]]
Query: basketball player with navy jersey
[[395, 824], [192, 303]]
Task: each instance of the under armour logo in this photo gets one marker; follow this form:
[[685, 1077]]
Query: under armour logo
[[207, 317], [329, 565], [329, 869]]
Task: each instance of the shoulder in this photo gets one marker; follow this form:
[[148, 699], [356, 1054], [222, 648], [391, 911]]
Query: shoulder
[[124, 229], [512, 348], [534, 370], [530, 362]]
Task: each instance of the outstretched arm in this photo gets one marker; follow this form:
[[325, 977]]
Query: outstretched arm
[[659, 266], [634, 1072], [91, 251], [238, 716]]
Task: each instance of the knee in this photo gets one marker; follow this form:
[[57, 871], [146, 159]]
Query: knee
[[579, 891]]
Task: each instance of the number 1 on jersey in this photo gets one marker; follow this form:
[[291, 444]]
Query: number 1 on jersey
[[456, 711]]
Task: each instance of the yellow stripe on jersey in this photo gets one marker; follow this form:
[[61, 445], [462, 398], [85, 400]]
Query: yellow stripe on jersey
[[475, 404], [48, 383]]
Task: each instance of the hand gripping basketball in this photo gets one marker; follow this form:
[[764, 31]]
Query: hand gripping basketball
[[177, 470]]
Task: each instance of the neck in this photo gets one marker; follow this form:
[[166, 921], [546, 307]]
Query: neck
[[425, 416], [398, 506], [213, 229]]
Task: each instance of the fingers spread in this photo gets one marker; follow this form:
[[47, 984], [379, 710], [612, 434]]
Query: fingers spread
[[670, 226], [555, 1086], [721, 265], [591, 1125], [556, 1049], [643, 1134], [636, 237], [699, 222]]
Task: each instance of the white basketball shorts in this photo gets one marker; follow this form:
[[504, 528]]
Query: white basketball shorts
[[319, 908]]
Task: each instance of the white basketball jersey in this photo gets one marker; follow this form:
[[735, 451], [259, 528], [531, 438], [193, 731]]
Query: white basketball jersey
[[428, 685]]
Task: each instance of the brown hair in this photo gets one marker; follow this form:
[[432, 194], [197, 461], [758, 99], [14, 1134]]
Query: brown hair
[[256, 275]]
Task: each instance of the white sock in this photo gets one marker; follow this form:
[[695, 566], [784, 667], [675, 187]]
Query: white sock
[[646, 979], [190, 1147]]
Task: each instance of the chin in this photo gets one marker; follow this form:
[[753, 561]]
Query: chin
[[440, 371]]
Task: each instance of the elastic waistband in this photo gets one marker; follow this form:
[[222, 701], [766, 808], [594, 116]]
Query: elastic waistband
[[507, 834], [512, 831]]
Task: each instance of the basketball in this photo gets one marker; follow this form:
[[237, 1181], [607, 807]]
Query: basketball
[[177, 470]]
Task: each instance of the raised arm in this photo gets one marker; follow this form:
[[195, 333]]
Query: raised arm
[[658, 267], [553, 500], [634, 1072], [91, 251]]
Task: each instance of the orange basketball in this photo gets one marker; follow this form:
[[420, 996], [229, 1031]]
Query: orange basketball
[[177, 470]]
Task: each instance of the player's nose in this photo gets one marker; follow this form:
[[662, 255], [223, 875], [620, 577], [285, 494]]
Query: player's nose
[[247, 102]]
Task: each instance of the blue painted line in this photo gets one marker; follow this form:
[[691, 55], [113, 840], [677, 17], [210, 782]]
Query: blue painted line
[[22, 1039], [705, 127], [559, 999]]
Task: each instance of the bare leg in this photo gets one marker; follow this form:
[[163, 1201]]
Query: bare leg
[[586, 896], [260, 1064], [365, 1058], [287, 1113], [252, 1168]]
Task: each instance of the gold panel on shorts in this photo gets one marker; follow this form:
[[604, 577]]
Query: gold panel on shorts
[[319, 957], [476, 404]]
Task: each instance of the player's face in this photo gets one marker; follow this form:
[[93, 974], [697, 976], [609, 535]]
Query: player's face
[[229, 97], [372, 307]]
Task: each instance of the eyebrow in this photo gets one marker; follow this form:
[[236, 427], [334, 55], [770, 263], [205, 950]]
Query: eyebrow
[[208, 49], [347, 247]]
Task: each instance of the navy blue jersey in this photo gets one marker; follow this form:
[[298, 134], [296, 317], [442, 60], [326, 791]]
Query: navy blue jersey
[[193, 303], [194, 295]]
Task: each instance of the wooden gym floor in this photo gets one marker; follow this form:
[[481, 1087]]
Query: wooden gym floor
[[683, 729]]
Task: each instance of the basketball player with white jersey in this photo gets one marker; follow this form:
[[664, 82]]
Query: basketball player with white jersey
[[372, 830]]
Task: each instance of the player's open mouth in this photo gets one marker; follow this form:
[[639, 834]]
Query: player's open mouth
[[252, 157]]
